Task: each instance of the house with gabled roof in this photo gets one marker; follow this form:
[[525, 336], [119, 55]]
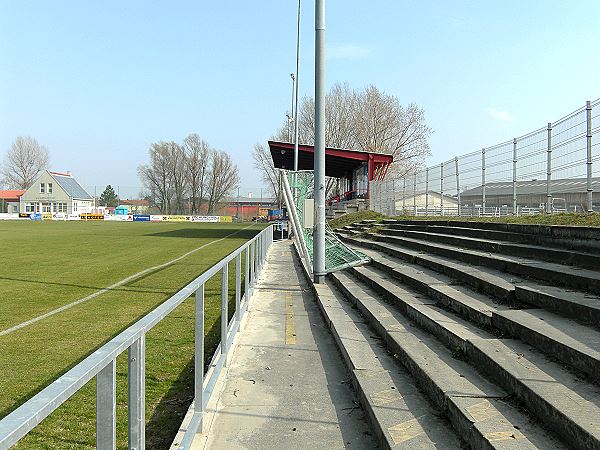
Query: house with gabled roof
[[56, 192]]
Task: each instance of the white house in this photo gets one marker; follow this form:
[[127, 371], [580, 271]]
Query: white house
[[55, 192]]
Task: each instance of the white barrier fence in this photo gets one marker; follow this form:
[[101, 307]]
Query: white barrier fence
[[116, 217]]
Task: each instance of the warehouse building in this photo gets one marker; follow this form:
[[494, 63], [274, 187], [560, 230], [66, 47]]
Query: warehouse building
[[55, 192], [566, 194]]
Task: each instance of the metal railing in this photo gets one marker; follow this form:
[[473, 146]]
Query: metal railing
[[101, 363], [555, 168]]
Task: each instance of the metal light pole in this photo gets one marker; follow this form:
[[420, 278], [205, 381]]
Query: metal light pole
[[296, 93], [319, 161], [293, 117]]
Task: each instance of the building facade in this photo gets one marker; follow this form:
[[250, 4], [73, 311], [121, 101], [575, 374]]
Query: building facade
[[55, 192], [10, 201]]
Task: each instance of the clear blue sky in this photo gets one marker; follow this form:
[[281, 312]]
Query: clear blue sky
[[97, 82]]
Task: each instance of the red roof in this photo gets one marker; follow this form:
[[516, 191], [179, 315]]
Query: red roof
[[11, 195]]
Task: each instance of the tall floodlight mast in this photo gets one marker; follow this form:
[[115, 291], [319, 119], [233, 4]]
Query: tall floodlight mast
[[319, 183], [296, 93]]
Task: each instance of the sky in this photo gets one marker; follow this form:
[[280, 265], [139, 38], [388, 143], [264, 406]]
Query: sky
[[98, 82]]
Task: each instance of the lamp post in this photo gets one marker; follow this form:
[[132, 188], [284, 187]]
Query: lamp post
[[319, 157]]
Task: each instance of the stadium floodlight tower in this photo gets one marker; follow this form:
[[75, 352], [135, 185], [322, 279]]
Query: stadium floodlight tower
[[319, 161]]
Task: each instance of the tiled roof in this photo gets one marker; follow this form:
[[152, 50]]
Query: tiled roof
[[12, 194]]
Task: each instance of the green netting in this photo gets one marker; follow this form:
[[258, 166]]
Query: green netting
[[337, 254]]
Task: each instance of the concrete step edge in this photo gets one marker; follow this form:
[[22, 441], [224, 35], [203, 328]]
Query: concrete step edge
[[450, 402]]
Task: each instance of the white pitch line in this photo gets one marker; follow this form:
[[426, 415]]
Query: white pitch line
[[112, 286]]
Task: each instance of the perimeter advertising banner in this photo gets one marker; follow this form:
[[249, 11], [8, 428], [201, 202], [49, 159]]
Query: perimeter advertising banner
[[204, 219], [174, 218], [88, 216], [141, 218]]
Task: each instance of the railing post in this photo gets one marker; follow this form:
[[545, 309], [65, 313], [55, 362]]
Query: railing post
[[457, 183], [199, 355], [588, 135], [136, 394], [247, 277], [224, 311], [238, 286], [106, 401], [427, 191], [483, 179], [442, 189], [514, 182], [252, 265], [549, 171]]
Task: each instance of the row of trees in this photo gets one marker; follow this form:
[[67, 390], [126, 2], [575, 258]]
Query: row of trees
[[24, 161], [362, 119], [186, 176]]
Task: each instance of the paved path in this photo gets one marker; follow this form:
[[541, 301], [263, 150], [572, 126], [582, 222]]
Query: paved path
[[287, 386]]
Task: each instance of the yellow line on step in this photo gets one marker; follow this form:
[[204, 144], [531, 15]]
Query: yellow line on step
[[290, 331]]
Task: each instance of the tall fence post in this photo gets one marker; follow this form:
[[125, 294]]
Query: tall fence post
[[199, 355], [549, 170], [442, 189], [514, 182], [404, 195], [136, 404], [457, 183], [427, 191], [588, 110], [394, 196], [483, 179], [415, 194], [106, 408]]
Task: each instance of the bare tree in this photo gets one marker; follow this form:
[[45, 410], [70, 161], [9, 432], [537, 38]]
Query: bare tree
[[197, 151], [24, 162], [264, 163], [156, 176], [368, 120], [383, 125], [223, 177], [177, 175]]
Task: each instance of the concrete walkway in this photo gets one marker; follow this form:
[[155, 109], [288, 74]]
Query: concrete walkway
[[286, 386]]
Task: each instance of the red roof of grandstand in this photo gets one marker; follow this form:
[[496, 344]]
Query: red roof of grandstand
[[11, 195]]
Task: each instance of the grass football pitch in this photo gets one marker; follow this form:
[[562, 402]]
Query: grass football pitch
[[46, 265]]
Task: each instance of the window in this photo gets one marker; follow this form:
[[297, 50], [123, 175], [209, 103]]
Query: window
[[42, 188], [49, 188], [29, 207], [46, 207], [74, 206], [61, 207]]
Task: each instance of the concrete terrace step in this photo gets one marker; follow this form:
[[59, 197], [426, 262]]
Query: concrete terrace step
[[518, 235], [582, 306], [492, 282], [574, 345], [567, 341], [547, 271], [552, 393], [443, 290], [560, 256], [477, 409], [400, 415]]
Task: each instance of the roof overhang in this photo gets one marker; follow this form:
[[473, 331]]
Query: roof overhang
[[338, 162]]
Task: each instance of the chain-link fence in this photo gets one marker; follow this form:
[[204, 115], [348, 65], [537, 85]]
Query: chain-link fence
[[553, 169]]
